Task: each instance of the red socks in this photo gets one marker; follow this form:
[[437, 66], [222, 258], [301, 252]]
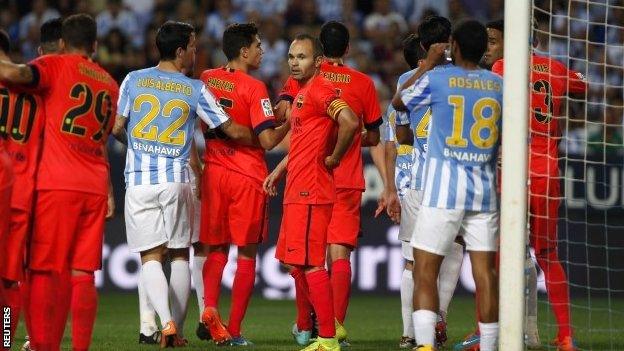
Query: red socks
[[302, 300], [64, 295], [83, 310], [212, 274], [241, 292], [557, 289], [341, 287], [321, 298], [43, 295]]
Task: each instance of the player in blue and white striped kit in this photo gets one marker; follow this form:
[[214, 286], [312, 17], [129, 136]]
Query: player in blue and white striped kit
[[460, 176], [413, 128], [159, 106]]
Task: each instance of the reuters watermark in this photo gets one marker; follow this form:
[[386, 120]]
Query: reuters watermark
[[6, 327]]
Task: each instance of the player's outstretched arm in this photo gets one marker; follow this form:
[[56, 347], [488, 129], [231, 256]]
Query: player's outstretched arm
[[435, 56], [16, 73], [196, 167], [348, 125], [119, 129], [271, 137], [239, 133]]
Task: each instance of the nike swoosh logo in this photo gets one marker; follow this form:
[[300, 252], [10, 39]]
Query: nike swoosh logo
[[290, 250]]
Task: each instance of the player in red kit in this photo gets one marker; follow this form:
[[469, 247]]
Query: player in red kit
[[234, 206], [23, 125], [72, 180], [551, 81], [358, 91], [316, 148]]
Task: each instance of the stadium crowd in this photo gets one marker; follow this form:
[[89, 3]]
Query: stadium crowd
[[586, 35]]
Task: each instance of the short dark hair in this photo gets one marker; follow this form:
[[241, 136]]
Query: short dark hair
[[237, 36], [5, 42], [50, 30], [317, 47], [499, 25], [79, 31], [335, 39], [412, 51], [433, 30], [171, 36], [471, 37]]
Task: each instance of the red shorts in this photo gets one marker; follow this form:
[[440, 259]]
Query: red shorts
[[544, 202], [68, 231], [344, 227], [12, 262], [303, 234], [234, 208]]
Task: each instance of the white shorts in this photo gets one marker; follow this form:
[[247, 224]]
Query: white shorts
[[158, 214], [410, 205], [408, 251], [437, 228]]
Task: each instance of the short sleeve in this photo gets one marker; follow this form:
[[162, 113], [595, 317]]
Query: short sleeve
[[209, 110], [289, 91], [577, 83], [261, 110], [325, 98], [498, 67], [417, 95], [123, 103], [372, 112], [45, 71]]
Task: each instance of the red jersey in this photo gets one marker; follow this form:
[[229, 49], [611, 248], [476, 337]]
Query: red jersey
[[79, 100], [313, 137], [359, 92], [246, 101], [21, 120], [551, 81], [6, 171]]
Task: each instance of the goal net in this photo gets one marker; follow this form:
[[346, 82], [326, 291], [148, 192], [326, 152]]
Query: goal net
[[586, 37]]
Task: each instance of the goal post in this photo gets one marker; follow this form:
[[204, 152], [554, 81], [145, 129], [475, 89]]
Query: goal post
[[513, 226]]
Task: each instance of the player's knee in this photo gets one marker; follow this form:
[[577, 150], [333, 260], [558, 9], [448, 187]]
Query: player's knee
[[78, 273], [199, 249], [248, 252], [339, 252], [179, 254], [218, 248], [409, 266]]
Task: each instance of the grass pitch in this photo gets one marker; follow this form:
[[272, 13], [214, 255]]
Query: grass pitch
[[373, 323]]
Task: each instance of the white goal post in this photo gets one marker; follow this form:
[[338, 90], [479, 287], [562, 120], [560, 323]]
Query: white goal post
[[513, 227]]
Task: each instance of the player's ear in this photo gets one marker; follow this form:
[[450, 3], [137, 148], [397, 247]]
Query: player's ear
[[244, 52], [317, 61]]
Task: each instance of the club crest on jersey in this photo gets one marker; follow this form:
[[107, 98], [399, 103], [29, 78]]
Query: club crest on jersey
[[266, 107], [299, 101]]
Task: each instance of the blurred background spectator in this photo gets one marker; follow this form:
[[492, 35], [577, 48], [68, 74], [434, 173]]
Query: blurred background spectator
[[586, 36]]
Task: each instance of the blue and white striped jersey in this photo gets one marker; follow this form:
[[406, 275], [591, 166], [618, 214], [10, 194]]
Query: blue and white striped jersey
[[463, 136], [418, 120], [404, 152], [161, 108]]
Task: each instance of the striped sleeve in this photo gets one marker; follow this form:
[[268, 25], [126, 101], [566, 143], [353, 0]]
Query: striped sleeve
[[335, 107], [123, 102], [209, 110], [402, 118], [417, 95]]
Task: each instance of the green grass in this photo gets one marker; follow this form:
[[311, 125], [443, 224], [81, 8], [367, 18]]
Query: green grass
[[374, 323]]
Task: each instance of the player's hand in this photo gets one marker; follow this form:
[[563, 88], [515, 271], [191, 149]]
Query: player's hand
[[381, 204], [110, 211], [436, 54], [282, 111], [198, 187], [270, 182], [394, 207], [331, 162]]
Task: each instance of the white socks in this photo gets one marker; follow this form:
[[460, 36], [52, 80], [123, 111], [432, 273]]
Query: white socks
[[407, 294], [198, 280], [424, 326], [157, 289], [449, 274], [179, 290], [147, 315], [489, 336]]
